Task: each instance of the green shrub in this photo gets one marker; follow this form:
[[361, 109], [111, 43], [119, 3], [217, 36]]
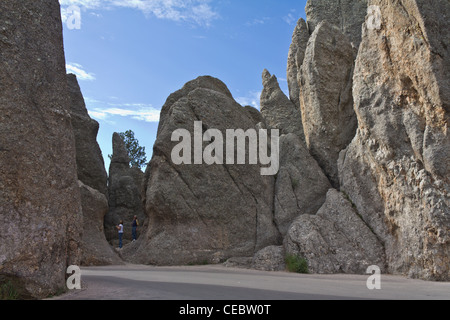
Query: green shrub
[[198, 263], [296, 264], [8, 291], [295, 183]]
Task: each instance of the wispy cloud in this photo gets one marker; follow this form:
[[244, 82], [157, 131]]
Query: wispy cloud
[[251, 99], [143, 114], [89, 4], [199, 12], [79, 71], [257, 21], [106, 111], [291, 18]]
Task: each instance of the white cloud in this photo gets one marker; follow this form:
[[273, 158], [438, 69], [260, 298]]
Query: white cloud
[[78, 70], [291, 18], [88, 4], [257, 21], [136, 111], [251, 99], [99, 115], [198, 12], [143, 114], [95, 14]]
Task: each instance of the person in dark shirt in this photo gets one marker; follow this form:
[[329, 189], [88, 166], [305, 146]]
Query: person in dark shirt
[[134, 226]]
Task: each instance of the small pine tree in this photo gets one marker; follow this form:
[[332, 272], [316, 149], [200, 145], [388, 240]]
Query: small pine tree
[[136, 153]]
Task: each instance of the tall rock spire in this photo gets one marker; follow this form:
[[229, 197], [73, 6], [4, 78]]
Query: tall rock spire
[[40, 206]]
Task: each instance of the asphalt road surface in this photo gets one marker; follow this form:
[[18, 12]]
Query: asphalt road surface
[[136, 282]]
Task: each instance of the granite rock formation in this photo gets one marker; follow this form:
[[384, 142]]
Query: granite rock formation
[[326, 101], [90, 163], [95, 249], [124, 190], [40, 206], [270, 258], [296, 56], [300, 186], [319, 73], [92, 181], [347, 15], [390, 202], [396, 170], [335, 240], [203, 212], [277, 110]]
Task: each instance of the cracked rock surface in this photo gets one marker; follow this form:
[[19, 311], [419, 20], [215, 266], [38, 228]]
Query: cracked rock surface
[[201, 213]]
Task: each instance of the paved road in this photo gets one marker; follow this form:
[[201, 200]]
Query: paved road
[[134, 282]]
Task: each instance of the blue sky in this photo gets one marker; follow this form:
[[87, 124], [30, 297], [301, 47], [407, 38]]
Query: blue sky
[[130, 55]]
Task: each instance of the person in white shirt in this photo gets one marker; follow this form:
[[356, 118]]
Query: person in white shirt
[[120, 229]]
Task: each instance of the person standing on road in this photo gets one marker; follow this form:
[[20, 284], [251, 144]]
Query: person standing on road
[[120, 229], [134, 226]]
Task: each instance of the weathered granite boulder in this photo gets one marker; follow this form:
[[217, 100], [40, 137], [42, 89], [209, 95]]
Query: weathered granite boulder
[[347, 15], [329, 121], [296, 55], [396, 170], [90, 163], [200, 212], [277, 110], [335, 240], [125, 193], [319, 73], [40, 207], [95, 249], [271, 258], [92, 181], [301, 186]]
